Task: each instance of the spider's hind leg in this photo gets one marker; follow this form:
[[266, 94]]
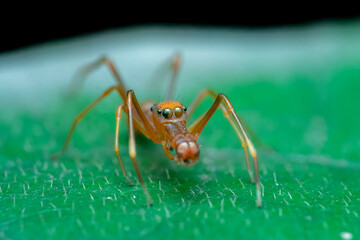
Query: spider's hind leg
[[208, 92], [84, 71]]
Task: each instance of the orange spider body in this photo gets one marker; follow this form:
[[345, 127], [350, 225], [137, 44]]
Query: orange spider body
[[169, 120]]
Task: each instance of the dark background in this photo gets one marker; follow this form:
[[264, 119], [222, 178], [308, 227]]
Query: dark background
[[34, 28]]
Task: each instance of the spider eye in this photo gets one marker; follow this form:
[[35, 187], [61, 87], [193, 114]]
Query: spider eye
[[185, 108], [152, 107], [178, 112], [167, 113], [159, 111]]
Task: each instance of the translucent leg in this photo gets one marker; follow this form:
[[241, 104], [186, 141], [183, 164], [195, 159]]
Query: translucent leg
[[81, 116]]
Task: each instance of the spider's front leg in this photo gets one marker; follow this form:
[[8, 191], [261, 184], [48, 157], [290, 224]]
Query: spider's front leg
[[228, 109], [116, 144], [213, 95], [133, 105]]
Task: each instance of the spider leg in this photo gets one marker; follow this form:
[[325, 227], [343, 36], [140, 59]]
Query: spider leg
[[201, 123], [208, 92], [116, 145], [81, 116], [167, 153], [84, 71], [175, 66], [132, 104]]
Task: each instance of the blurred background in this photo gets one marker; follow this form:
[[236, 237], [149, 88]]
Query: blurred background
[[294, 78], [55, 25]]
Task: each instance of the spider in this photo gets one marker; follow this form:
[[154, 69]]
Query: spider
[[165, 123]]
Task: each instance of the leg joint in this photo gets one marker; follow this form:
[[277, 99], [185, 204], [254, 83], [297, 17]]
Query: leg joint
[[118, 111], [105, 59], [227, 102]]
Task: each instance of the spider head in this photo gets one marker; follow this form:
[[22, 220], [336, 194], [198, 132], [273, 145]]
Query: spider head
[[187, 153], [168, 111]]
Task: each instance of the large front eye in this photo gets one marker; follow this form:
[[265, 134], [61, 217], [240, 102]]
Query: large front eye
[[167, 113], [178, 112]]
